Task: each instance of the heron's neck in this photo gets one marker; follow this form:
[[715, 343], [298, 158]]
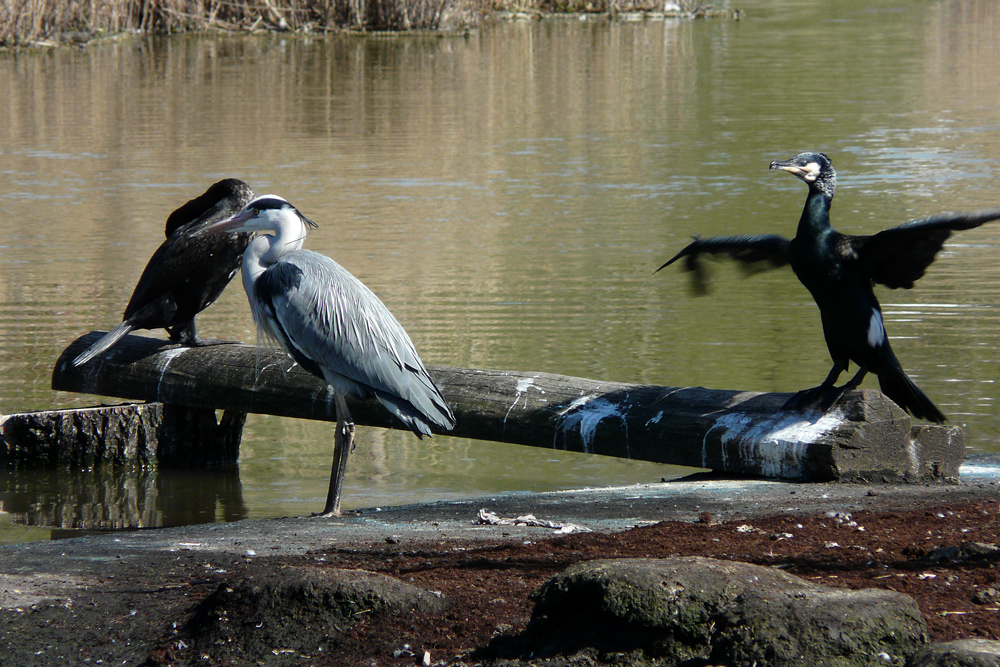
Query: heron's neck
[[286, 238]]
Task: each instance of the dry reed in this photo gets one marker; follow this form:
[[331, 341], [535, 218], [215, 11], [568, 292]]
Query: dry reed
[[43, 22], [27, 22]]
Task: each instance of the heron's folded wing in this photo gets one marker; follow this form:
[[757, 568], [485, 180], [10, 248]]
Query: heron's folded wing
[[331, 318]]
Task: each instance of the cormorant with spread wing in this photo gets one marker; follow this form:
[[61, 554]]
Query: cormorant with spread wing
[[839, 270]]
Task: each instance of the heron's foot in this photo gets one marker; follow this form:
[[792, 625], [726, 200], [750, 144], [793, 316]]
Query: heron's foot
[[347, 433], [326, 515]]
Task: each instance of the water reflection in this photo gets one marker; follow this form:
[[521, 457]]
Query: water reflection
[[508, 195], [116, 498]]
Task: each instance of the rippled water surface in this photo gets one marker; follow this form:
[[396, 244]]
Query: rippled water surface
[[508, 195]]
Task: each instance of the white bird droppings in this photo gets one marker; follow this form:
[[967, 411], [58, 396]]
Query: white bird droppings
[[776, 445], [168, 356], [586, 412], [524, 384]]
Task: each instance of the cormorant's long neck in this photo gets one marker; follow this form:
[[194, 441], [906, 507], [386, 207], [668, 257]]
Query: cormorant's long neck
[[815, 220]]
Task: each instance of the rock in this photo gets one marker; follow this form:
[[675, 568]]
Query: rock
[[986, 596], [300, 611], [960, 653], [698, 609], [960, 554]]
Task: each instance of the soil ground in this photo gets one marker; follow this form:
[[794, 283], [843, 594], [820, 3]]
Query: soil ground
[[138, 605]]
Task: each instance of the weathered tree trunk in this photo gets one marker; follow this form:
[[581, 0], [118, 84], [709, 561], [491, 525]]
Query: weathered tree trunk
[[866, 436]]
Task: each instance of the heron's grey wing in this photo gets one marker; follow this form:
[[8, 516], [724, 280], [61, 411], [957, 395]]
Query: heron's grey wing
[[331, 318], [753, 251], [899, 256]]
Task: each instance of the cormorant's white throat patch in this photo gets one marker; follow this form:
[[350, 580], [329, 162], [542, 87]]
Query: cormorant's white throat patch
[[876, 332], [812, 171]]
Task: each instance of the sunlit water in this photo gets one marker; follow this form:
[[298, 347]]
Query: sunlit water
[[508, 195]]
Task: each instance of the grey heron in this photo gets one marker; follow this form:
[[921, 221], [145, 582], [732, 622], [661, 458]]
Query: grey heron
[[333, 326], [187, 273]]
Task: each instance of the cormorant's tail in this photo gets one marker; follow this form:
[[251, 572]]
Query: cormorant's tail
[[896, 385], [106, 341]]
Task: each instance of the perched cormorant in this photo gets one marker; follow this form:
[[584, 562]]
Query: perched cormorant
[[188, 272], [839, 270]]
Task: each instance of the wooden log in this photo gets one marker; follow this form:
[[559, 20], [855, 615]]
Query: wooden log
[[865, 437], [147, 434]]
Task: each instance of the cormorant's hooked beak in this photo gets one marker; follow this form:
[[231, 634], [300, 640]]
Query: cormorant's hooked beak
[[785, 165], [808, 172]]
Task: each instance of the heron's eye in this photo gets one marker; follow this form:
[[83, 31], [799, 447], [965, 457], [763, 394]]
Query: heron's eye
[[256, 211]]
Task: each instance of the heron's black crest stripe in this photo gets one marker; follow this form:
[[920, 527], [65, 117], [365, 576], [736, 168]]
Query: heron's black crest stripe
[[270, 202], [274, 202]]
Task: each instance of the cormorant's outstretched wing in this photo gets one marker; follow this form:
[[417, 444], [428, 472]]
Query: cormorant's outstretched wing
[[751, 250], [899, 256]]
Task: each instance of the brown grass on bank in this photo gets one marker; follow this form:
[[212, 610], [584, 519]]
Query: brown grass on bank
[[27, 22], [47, 22]]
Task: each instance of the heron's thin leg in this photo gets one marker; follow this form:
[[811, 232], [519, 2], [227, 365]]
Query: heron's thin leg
[[343, 442]]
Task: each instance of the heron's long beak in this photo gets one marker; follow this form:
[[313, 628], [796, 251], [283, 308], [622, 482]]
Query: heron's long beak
[[235, 223]]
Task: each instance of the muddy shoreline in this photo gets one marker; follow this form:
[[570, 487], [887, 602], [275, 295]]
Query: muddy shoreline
[[131, 596]]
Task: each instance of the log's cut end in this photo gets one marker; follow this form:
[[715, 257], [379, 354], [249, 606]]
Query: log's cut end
[[147, 435], [865, 437]]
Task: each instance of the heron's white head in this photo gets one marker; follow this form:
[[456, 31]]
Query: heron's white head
[[269, 213]]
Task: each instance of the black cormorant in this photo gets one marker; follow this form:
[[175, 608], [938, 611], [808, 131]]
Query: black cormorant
[[839, 270], [188, 272]]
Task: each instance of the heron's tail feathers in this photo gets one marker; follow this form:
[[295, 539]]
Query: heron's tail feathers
[[900, 388], [106, 341], [425, 411]]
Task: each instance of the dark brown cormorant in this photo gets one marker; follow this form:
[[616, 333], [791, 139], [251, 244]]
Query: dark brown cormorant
[[839, 270], [188, 272]]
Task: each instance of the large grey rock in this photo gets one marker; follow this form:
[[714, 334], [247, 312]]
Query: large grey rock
[[960, 653], [679, 609]]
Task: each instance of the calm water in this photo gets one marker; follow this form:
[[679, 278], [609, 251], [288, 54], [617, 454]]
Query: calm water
[[508, 195]]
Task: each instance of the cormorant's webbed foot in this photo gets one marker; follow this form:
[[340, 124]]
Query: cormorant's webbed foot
[[806, 399], [185, 335], [826, 395], [205, 342]]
